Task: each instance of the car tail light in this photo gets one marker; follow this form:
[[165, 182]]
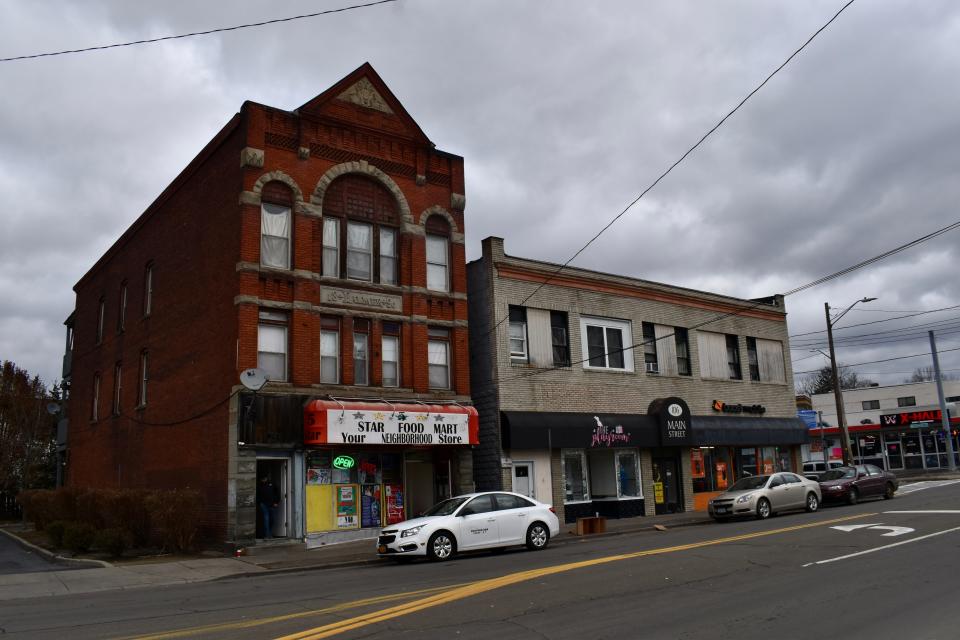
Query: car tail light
[[553, 511]]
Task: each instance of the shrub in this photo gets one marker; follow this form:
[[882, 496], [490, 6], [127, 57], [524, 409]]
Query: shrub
[[38, 507], [65, 503], [127, 509], [54, 531], [114, 541], [175, 518], [78, 537], [90, 505]]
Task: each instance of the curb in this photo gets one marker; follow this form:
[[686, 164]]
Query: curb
[[559, 541], [53, 557]]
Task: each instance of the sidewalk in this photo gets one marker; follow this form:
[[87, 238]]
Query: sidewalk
[[95, 575], [87, 576]]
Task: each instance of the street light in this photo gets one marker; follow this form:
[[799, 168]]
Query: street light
[[837, 393]]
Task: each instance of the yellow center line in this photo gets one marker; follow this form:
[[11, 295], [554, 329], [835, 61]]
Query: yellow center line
[[246, 624], [482, 586]]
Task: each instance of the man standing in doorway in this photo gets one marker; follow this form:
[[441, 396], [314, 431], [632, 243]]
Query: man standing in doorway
[[267, 500]]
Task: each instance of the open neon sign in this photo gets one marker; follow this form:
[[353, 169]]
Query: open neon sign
[[344, 462]]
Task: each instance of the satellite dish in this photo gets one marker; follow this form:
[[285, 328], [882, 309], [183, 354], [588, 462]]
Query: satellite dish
[[253, 379], [53, 408]]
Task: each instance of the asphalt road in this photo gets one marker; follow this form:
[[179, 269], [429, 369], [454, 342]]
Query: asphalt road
[[15, 559], [793, 576]]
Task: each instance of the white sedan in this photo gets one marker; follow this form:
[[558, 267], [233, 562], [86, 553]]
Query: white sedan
[[488, 520]]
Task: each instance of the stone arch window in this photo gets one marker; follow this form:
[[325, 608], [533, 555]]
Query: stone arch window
[[438, 253], [276, 223], [361, 230]]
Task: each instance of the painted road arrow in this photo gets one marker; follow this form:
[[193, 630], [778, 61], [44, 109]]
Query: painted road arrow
[[893, 531]]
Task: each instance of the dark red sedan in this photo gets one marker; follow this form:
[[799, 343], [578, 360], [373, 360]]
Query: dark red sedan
[[851, 484]]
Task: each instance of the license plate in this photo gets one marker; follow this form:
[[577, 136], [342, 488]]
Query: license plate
[[382, 548], [720, 509]]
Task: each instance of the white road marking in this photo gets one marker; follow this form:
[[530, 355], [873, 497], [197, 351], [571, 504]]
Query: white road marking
[[913, 487], [853, 527], [928, 511], [894, 531], [889, 546]]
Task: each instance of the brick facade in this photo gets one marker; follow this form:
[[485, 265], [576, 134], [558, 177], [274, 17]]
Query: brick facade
[[357, 147]]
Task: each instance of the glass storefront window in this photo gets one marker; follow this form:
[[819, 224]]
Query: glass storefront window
[[628, 473], [746, 462], [575, 476], [710, 468]]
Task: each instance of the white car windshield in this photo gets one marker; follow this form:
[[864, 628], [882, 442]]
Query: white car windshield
[[444, 508]]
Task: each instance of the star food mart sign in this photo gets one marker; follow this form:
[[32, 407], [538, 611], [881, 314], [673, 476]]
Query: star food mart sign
[[397, 427]]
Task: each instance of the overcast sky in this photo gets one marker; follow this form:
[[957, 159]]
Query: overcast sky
[[564, 113]]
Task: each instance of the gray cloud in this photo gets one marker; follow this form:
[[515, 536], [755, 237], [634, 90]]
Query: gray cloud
[[564, 112]]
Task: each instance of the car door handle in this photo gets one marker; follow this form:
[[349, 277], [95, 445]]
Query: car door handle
[[492, 520]]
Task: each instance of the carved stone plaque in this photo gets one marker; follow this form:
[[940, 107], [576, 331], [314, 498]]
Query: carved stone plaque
[[369, 299]]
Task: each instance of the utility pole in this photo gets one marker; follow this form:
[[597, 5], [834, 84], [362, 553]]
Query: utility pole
[[823, 443], [837, 392], [944, 416]]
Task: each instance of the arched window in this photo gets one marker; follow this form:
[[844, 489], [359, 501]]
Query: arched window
[[438, 253], [276, 204], [361, 220]]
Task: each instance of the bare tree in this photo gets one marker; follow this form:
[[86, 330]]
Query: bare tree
[[821, 381], [27, 431], [927, 374]]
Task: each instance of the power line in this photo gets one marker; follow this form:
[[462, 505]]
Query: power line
[[863, 324], [196, 33], [858, 364], [678, 161], [944, 326]]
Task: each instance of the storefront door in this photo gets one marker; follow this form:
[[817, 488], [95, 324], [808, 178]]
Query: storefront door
[[894, 451], [419, 480], [523, 478], [666, 483], [277, 470]]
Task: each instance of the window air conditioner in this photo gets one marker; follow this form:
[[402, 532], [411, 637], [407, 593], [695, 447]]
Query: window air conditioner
[[652, 367]]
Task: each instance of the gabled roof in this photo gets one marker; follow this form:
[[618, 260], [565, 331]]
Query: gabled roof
[[364, 87]]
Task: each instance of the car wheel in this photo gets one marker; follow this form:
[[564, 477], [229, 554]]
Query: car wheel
[[813, 503], [854, 496], [441, 546], [888, 491], [763, 509], [538, 536]]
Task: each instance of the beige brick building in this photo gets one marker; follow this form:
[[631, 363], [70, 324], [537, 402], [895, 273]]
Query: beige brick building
[[623, 397]]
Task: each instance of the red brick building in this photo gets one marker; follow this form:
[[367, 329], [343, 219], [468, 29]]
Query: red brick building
[[324, 246]]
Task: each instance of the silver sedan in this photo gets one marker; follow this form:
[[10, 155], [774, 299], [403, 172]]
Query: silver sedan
[[762, 496]]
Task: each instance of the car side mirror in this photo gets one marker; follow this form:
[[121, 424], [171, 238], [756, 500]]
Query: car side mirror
[[861, 475]]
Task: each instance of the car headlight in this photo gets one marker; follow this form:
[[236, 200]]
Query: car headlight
[[836, 488], [406, 533], [745, 498]]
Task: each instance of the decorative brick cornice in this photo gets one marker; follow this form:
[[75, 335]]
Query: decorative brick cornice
[[365, 168], [279, 176]]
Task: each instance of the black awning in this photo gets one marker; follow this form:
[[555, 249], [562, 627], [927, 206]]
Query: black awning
[[542, 429], [726, 430]]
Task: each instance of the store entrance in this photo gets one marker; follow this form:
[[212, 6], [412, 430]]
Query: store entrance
[[273, 515], [666, 486]]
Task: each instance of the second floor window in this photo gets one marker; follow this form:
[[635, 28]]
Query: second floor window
[[329, 350], [650, 348], [117, 388], [147, 289], [607, 344], [361, 352], [559, 339], [272, 344], [390, 350], [907, 401], [95, 398], [733, 358], [438, 357], [142, 388], [518, 334], [752, 360], [869, 405], [682, 341]]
